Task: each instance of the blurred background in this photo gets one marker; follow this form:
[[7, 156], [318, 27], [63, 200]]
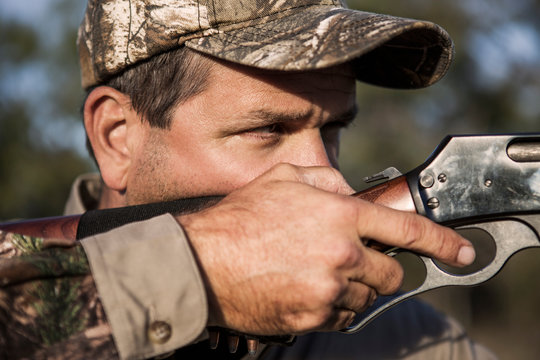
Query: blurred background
[[492, 87]]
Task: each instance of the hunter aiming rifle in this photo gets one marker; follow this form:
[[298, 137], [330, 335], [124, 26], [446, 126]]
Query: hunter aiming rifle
[[490, 182]]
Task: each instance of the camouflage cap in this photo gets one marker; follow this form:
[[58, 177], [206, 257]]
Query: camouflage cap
[[270, 34]]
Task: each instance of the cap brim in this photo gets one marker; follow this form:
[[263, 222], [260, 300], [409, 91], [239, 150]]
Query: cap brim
[[387, 51]]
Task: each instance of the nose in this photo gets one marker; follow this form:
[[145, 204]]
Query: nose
[[308, 149]]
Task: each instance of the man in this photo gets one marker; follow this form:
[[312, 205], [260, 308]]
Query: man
[[247, 99]]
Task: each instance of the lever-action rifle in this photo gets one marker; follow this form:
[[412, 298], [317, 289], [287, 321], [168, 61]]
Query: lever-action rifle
[[489, 182]]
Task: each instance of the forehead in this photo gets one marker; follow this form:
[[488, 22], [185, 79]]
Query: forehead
[[237, 76], [238, 88]]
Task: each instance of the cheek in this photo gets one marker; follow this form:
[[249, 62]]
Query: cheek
[[172, 166], [220, 171], [149, 180], [162, 176]]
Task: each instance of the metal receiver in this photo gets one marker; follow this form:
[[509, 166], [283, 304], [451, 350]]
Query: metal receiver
[[491, 183]]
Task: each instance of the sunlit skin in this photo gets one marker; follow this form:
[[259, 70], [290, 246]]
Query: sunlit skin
[[243, 124], [281, 254]]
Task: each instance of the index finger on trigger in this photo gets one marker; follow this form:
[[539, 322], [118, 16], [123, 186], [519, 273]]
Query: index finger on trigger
[[413, 232]]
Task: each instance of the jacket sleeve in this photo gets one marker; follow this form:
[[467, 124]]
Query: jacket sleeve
[[49, 306], [133, 292], [150, 286]]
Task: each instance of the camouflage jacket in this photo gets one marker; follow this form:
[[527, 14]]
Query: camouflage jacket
[[49, 306]]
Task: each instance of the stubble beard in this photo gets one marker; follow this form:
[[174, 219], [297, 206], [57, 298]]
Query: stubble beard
[[151, 181]]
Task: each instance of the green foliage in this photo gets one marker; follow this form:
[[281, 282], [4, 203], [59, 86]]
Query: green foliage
[[19, 41], [59, 311], [36, 171], [52, 261], [57, 304], [34, 179], [27, 244]]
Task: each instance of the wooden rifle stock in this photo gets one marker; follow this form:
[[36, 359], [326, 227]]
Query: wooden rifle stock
[[394, 193], [58, 227]]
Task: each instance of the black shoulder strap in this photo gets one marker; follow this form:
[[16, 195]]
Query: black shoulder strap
[[98, 221]]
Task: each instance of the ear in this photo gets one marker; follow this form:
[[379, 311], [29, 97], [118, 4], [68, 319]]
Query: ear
[[106, 116]]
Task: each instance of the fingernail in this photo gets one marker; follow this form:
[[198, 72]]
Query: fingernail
[[466, 255]]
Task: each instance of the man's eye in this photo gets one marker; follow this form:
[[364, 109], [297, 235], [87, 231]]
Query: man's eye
[[269, 133], [269, 129]]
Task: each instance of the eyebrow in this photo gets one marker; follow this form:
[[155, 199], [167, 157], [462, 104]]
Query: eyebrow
[[348, 116], [267, 117], [263, 117]]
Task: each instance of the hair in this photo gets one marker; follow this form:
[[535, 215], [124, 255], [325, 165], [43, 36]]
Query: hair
[[158, 85]]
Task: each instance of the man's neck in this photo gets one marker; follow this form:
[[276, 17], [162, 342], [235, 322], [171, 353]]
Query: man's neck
[[110, 199]]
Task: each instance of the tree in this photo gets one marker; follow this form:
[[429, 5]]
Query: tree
[[39, 101]]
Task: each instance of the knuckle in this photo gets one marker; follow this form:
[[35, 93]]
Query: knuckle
[[293, 322], [345, 254], [284, 171], [341, 209], [337, 177], [348, 320], [413, 230], [320, 318], [371, 296], [328, 292], [365, 300], [349, 208], [447, 242], [308, 321], [394, 279], [443, 247]]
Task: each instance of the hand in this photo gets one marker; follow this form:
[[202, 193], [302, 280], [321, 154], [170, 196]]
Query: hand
[[283, 254]]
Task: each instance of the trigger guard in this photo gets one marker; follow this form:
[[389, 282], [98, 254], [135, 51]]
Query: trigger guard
[[522, 237]]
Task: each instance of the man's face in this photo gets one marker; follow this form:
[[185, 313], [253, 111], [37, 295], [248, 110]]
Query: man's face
[[246, 121]]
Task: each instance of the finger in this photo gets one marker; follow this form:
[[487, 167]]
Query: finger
[[340, 319], [413, 232], [378, 271], [324, 178], [357, 297]]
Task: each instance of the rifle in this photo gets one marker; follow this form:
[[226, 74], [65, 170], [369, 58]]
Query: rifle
[[486, 182], [489, 183]]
